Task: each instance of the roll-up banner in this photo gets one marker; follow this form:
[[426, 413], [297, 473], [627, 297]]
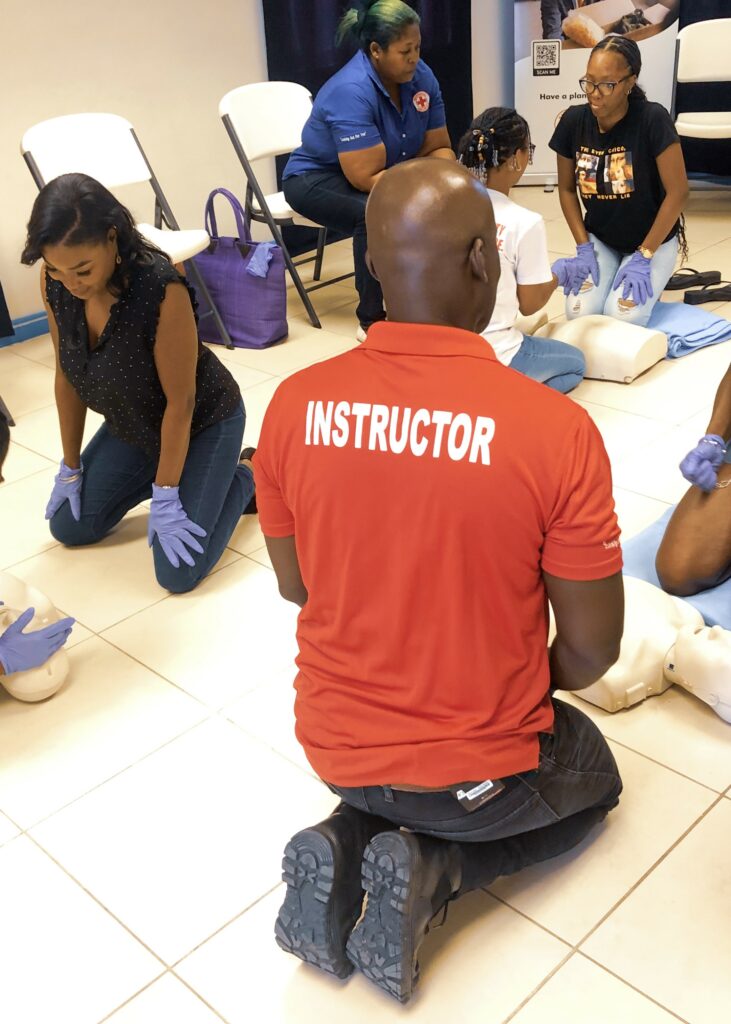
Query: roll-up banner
[[553, 40]]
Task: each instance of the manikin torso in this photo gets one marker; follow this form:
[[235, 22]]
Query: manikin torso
[[37, 683]]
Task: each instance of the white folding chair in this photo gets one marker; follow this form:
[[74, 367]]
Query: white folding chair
[[105, 147], [704, 55], [266, 119]]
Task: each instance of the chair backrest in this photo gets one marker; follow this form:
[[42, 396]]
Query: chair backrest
[[100, 145], [268, 117], [704, 51]]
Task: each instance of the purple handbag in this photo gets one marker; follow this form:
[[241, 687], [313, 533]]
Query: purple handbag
[[246, 281]]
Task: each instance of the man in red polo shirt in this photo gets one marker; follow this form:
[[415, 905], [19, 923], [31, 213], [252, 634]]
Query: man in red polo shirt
[[421, 503]]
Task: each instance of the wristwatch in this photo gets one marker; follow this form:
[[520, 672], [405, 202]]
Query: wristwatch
[[643, 251]]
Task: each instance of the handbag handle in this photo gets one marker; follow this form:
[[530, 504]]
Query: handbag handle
[[211, 226]]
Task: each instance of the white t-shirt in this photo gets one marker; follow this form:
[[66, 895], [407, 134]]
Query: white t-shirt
[[521, 241]]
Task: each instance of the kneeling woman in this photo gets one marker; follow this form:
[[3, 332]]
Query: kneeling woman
[[124, 328], [623, 154], [497, 149]]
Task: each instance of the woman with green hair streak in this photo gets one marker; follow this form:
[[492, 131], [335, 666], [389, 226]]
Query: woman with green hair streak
[[382, 108]]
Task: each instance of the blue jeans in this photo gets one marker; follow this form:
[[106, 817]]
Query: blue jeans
[[214, 491], [538, 815], [602, 298], [555, 363]]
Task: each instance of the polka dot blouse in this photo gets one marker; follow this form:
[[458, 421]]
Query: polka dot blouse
[[118, 378]]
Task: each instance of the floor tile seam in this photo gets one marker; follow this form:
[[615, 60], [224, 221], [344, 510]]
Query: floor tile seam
[[133, 996], [661, 764], [643, 878], [250, 906], [522, 913], [537, 989], [262, 565], [31, 451], [14, 565], [629, 984], [197, 994], [36, 362], [115, 775], [310, 775], [99, 903]]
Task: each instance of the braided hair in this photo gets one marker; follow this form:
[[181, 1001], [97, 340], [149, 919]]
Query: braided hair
[[376, 21], [492, 138]]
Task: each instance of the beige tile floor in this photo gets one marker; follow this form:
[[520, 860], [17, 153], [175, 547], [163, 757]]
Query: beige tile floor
[[143, 809]]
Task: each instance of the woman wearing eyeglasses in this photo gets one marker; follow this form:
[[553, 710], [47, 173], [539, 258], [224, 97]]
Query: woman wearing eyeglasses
[[623, 155], [497, 149]]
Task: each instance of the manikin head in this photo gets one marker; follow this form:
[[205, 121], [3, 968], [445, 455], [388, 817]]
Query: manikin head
[[701, 663], [388, 32], [431, 244]]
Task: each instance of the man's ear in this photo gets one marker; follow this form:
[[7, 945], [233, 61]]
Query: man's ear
[[478, 263], [371, 268]]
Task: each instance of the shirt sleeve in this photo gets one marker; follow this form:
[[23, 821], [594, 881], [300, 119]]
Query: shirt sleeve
[[275, 516], [532, 266], [437, 112], [582, 533], [562, 141], [353, 124], [661, 131]]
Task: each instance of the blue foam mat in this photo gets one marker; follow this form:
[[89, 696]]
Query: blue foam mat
[[639, 561]]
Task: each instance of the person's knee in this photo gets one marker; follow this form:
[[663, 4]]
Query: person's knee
[[682, 578], [626, 311], [73, 533], [177, 581]]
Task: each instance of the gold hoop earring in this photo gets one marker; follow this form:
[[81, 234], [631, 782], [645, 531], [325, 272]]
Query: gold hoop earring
[[118, 259]]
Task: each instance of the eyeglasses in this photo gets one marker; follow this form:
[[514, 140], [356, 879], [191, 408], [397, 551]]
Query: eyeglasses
[[605, 88]]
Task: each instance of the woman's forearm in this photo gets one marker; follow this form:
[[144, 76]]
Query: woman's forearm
[[721, 417], [571, 209], [667, 216], [174, 443], [71, 419]]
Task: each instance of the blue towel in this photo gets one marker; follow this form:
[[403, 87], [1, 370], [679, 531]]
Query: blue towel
[[639, 561], [261, 258], [688, 327]]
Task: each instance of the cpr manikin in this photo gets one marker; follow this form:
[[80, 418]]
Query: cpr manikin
[[665, 641], [32, 684]]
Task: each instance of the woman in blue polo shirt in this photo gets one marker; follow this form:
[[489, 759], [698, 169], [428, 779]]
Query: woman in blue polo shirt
[[383, 107]]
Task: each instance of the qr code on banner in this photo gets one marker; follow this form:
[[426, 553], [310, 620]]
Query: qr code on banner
[[547, 57]]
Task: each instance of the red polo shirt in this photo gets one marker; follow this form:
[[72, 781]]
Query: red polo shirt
[[427, 486]]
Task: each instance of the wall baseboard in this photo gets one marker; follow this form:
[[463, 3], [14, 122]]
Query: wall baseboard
[[25, 327]]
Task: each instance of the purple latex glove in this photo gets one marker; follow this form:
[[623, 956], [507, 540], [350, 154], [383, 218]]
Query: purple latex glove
[[20, 651], [568, 279], [587, 263], [700, 466], [66, 487], [173, 528], [635, 276]]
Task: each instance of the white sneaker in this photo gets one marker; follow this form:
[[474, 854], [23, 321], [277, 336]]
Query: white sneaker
[[360, 334]]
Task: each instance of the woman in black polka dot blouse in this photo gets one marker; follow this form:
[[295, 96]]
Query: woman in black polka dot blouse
[[123, 325]]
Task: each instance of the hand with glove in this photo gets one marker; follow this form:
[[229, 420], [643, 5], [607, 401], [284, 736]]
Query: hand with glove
[[572, 272], [20, 651], [635, 277], [700, 466], [66, 487], [173, 528]]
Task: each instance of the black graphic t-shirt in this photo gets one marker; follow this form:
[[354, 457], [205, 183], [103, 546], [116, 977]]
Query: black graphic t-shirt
[[616, 171]]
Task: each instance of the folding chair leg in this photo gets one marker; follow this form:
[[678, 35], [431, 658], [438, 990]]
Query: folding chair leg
[[200, 283], [276, 232], [321, 238]]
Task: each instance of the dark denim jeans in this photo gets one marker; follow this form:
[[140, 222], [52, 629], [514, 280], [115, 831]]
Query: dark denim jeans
[[538, 815], [328, 198], [214, 491]]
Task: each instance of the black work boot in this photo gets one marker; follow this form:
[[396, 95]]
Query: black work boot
[[324, 897], [408, 879]]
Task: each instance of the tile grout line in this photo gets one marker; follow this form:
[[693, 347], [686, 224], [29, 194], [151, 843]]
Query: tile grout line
[[153, 982], [133, 996], [538, 987], [629, 984], [661, 764]]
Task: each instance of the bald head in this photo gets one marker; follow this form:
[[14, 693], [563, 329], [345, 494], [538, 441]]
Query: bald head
[[431, 244]]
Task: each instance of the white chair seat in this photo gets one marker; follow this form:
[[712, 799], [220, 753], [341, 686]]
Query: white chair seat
[[704, 124], [281, 210], [179, 245]]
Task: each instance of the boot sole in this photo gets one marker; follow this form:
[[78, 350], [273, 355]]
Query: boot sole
[[382, 944], [304, 926]]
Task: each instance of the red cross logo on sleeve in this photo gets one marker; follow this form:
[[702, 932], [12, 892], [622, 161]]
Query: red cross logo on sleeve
[[422, 101]]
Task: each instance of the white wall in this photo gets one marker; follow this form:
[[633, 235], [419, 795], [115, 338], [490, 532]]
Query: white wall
[[492, 54], [163, 64]]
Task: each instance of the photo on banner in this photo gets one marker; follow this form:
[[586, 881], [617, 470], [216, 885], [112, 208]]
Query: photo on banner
[[553, 39]]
